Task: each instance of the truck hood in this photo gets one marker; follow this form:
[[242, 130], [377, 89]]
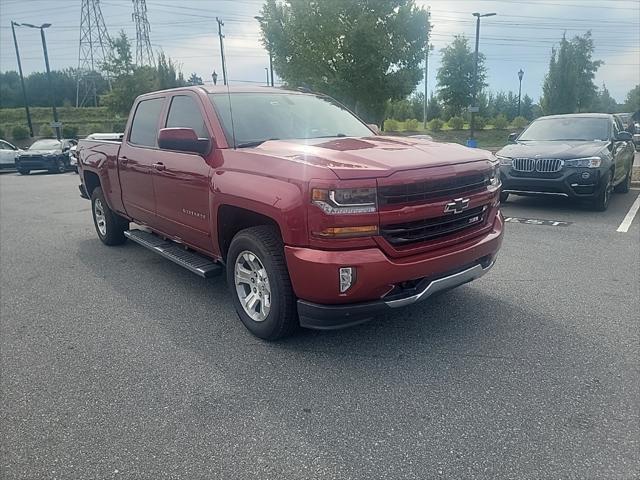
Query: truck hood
[[371, 157], [557, 149]]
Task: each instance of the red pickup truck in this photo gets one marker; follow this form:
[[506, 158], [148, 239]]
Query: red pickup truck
[[317, 220]]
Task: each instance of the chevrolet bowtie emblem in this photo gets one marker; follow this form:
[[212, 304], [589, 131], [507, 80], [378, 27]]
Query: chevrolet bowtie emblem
[[458, 205]]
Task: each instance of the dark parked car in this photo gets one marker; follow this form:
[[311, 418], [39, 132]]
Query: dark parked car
[[46, 154], [583, 156]]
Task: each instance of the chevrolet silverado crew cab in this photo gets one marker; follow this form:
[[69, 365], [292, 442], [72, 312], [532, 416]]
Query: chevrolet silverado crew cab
[[584, 156], [316, 220]]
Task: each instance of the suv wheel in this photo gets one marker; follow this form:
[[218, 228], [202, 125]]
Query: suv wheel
[[109, 225], [503, 197], [625, 185], [601, 203], [24, 171], [59, 167], [259, 281]]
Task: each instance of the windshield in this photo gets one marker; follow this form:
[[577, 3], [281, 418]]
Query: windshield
[[258, 117], [568, 128], [46, 145]]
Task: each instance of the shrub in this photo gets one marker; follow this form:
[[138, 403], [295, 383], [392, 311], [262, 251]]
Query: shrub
[[456, 123], [118, 127], [70, 131], [435, 125], [1, 132], [19, 132], [520, 122], [390, 125], [412, 125], [480, 123], [93, 128], [500, 122], [45, 130]]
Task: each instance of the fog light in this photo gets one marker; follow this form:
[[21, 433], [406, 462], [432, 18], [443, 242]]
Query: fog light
[[347, 278], [586, 175]]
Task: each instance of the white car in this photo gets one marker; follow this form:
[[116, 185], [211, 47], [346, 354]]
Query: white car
[[8, 155]]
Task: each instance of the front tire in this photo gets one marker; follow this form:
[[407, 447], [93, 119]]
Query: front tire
[[259, 283], [59, 167], [503, 197], [110, 226], [601, 203], [24, 171], [625, 185]]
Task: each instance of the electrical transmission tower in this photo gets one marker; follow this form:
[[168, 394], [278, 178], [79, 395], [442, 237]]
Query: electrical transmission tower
[[94, 48], [144, 52]]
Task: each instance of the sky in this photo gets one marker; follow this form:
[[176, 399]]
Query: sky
[[520, 36]]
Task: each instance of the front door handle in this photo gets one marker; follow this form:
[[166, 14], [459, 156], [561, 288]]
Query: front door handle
[[159, 166], [124, 160]]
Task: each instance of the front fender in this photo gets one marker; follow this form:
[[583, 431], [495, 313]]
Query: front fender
[[278, 199]]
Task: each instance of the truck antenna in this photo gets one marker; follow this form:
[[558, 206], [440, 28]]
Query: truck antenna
[[226, 80]]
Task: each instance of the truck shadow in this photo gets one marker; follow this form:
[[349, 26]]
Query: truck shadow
[[199, 314]]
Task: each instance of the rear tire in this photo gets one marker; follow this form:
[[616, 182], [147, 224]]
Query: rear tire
[[601, 203], [503, 197], [256, 266], [110, 226], [625, 185], [24, 171], [59, 167]]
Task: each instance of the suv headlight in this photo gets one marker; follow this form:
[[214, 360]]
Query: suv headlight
[[495, 175], [504, 161], [345, 200], [587, 162]]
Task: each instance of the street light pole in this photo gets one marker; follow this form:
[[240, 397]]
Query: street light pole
[[267, 72], [260, 18], [46, 62], [24, 89], [475, 75], [426, 74], [520, 75]]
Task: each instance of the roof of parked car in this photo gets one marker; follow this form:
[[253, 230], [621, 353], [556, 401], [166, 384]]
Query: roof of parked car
[[234, 89], [580, 115]]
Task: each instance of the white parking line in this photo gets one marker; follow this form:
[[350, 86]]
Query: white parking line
[[626, 223]]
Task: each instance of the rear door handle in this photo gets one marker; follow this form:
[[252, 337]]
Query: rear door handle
[[159, 166]]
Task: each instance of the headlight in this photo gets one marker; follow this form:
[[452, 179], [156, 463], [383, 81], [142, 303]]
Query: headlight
[[588, 162], [505, 161], [345, 200], [495, 175]]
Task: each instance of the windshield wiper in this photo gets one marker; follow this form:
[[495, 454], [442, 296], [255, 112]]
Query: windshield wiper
[[340, 135], [254, 143]]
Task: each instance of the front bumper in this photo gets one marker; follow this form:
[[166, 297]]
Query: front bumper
[[577, 183], [39, 163], [382, 283]]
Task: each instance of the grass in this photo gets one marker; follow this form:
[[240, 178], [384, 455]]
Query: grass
[[489, 138], [88, 120]]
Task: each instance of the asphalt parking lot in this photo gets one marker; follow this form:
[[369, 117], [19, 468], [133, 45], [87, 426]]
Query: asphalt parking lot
[[116, 363]]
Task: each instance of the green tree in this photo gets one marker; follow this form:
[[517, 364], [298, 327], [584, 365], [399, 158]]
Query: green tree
[[130, 80], [434, 109], [526, 107], [569, 86], [632, 101], [195, 80], [605, 102], [455, 75], [363, 52]]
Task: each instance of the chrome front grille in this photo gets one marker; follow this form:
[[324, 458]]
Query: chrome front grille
[[541, 165]]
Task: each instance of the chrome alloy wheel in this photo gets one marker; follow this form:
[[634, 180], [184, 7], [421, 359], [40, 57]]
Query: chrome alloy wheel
[[252, 286], [101, 221]]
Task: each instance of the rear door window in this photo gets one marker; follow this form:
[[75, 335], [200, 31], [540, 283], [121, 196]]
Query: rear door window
[[184, 112], [144, 128]]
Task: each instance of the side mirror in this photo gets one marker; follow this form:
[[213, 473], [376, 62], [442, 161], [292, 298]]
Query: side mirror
[[374, 127], [183, 140], [624, 137], [512, 137]]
